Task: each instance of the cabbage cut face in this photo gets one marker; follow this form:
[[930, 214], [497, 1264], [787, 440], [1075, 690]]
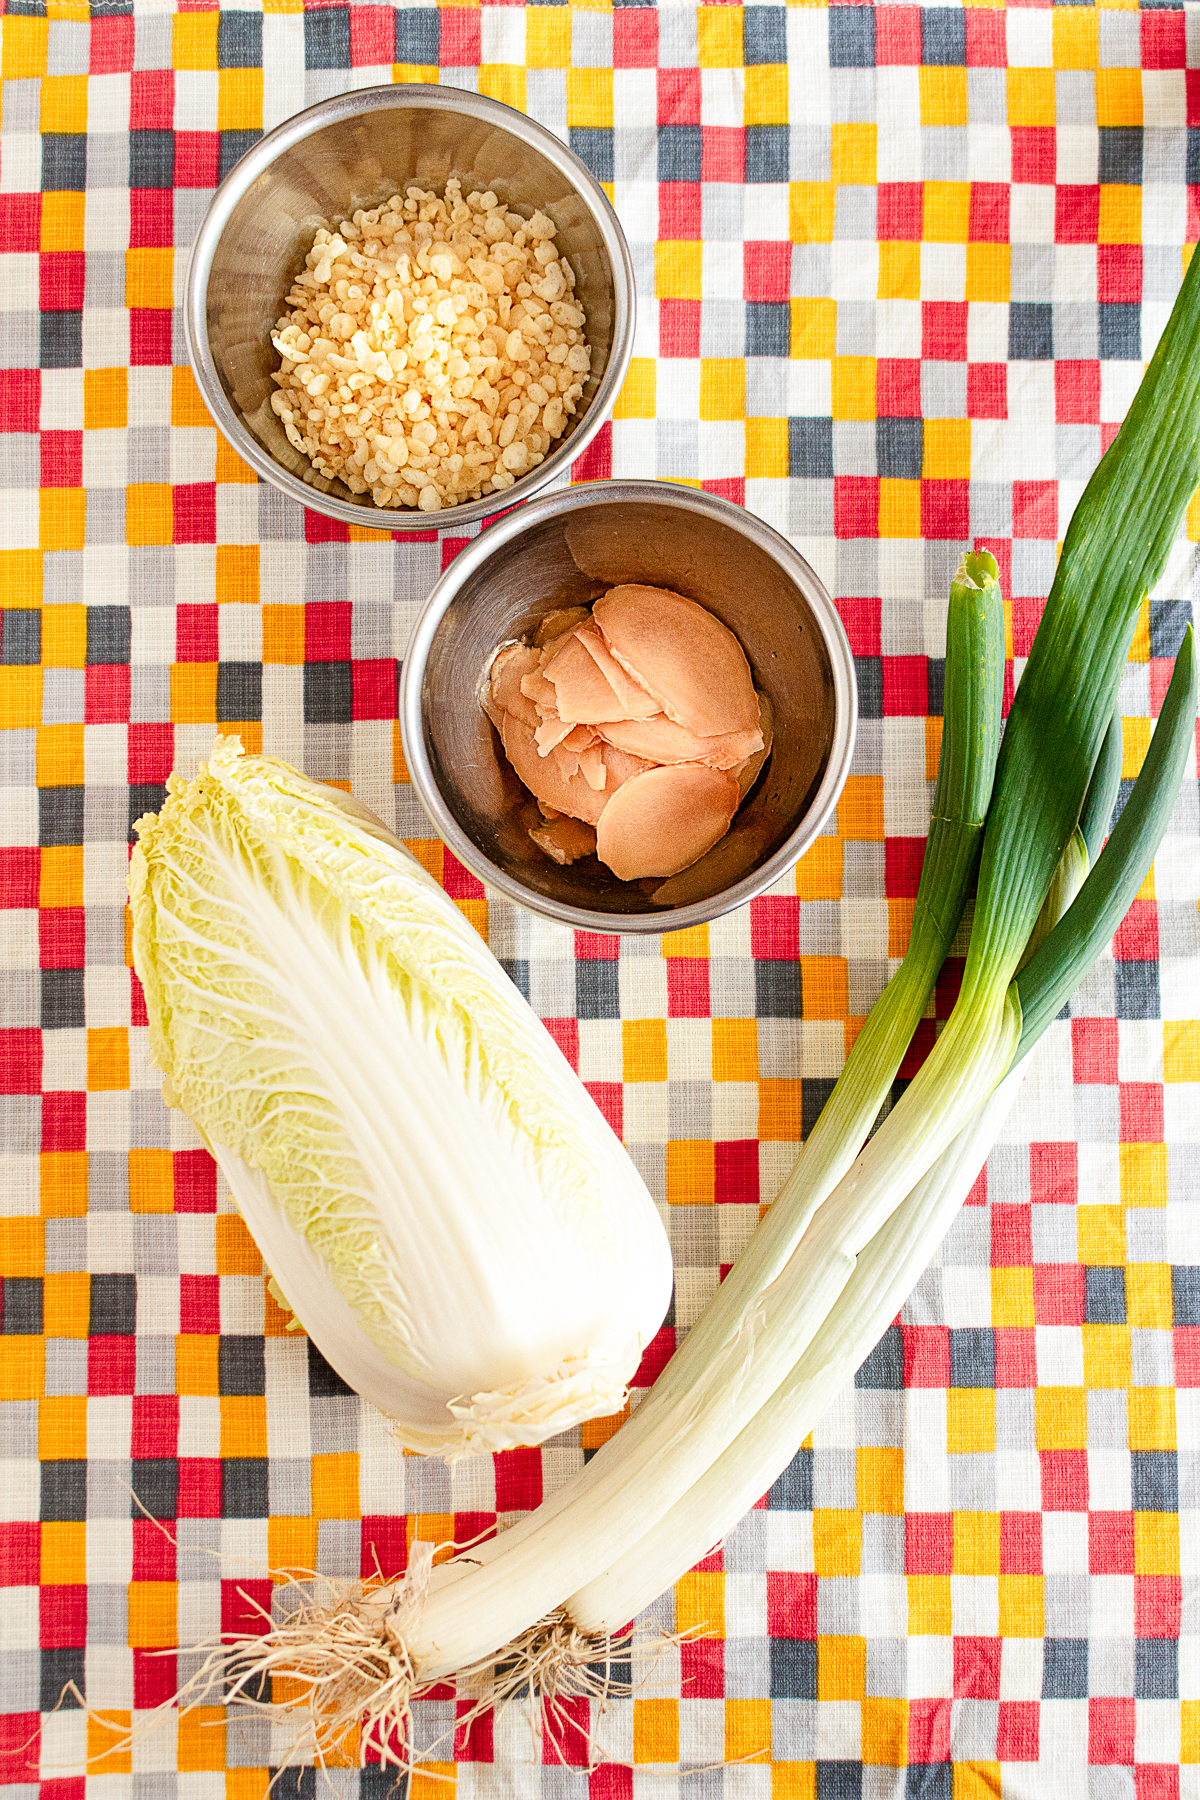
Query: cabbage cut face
[[434, 1191]]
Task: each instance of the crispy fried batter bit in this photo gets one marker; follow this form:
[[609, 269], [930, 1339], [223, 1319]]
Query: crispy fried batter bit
[[432, 350], [637, 727]]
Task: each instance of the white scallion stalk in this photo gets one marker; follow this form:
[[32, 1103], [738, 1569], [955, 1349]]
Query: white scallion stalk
[[884, 1275], [885, 1271]]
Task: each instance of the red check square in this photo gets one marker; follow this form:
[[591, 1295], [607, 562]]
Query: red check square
[[1064, 1480], [1076, 215], [20, 875], [61, 937], [111, 53], [722, 147], [1016, 1356], [327, 631], [1157, 1604], [197, 159], [900, 211], [1059, 1294], [1119, 272], [385, 1543], [976, 1668], [1094, 1044], [987, 390], [687, 987], [987, 41], [945, 509], [1054, 1173], [863, 620], [635, 38], [20, 1553], [1017, 1731], [1020, 1543], [1136, 937], [736, 1172], [775, 928], [929, 1543], [195, 1183], [902, 859], [791, 1604], [679, 97], [518, 1480], [856, 506], [610, 1098], [20, 1061], [905, 687], [154, 1678], [20, 235], [1034, 155], [106, 694], [926, 1362], [151, 218], [372, 36], [767, 270], [944, 330], [62, 1616], [151, 99], [1077, 393], [1111, 1725], [20, 399], [897, 36], [1110, 1543], [679, 210], [62, 459], [679, 328], [1141, 1112], [1012, 1241], [988, 212], [1035, 508], [64, 1121], [1164, 43]]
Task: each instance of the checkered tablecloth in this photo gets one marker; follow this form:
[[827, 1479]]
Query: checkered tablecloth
[[898, 270]]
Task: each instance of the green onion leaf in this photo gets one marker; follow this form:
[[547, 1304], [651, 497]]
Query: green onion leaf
[[1103, 900], [1103, 789]]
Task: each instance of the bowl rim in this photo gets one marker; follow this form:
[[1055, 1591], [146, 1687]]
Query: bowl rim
[[259, 158], [515, 524]]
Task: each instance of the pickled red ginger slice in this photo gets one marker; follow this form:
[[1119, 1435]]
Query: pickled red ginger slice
[[565, 839], [554, 778], [581, 692], [661, 740], [664, 820], [510, 667], [691, 663], [637, 701]]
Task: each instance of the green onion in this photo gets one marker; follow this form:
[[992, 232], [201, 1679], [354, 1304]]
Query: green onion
[[893, 1261]]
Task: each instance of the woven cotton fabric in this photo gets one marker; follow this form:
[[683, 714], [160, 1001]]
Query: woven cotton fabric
[[898, 271]]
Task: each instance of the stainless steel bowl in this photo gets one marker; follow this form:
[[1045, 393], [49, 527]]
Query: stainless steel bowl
[[356, 150], [566, 549]]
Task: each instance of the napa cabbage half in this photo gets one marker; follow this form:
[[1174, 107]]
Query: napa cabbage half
[[434, 1191]]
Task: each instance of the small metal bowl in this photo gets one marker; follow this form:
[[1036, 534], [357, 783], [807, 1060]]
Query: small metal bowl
[[356, 150], [566, 549]]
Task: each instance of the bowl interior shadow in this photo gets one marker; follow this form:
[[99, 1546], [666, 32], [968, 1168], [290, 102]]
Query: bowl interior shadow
[[361, 161], [572, 559]]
